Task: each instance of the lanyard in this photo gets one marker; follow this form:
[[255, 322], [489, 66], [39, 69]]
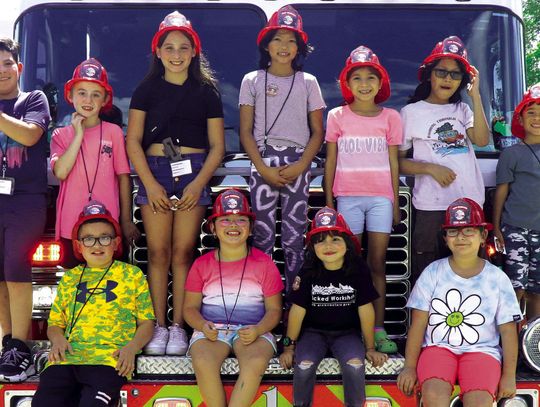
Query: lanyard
[[227, 315], [267, 131], [4, 157], [91, 187], [532, 151], [74, 318]]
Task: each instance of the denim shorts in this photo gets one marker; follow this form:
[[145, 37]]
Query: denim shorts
[[161, 170], [375, 211], [230, 336]]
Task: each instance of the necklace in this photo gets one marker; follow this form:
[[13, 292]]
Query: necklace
[[91, 187], [227, 315], [74, 318]]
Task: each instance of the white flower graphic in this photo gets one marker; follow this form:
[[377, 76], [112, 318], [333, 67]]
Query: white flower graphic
[[454, 320]]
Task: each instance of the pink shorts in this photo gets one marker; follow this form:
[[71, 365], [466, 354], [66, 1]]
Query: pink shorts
[[439, 363]]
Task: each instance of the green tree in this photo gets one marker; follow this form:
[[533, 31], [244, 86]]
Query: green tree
[[531, 15]]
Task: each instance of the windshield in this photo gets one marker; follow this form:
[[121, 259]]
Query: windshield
[[57, 38]]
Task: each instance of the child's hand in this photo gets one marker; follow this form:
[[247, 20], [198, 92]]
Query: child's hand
[[507, 386], [473, 88], [130, 231], [443, 175], [272, 175], [77, 123], [406, 381], [248, 334], [376, 358], [292, 171], [287, 357], [157, 198], [126, 360], [190, 197], [58, 350], [210, 331]]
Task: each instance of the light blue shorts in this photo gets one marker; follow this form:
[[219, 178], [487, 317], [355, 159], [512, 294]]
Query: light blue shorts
[[374, 211], [229, 336]]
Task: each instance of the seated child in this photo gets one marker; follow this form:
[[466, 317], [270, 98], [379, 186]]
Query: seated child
[[232, 301], [101, 318], [89, 157], [462, 306], [332, 309]]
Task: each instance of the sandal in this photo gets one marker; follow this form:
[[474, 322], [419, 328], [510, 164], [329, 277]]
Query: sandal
[[384, 344]]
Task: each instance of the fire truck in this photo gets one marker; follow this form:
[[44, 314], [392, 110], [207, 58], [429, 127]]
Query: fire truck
[[57, 35]]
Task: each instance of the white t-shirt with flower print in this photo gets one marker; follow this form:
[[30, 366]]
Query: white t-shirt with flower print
[[464, 313]]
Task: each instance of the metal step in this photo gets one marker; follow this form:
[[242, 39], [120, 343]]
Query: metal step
[[181, 365]]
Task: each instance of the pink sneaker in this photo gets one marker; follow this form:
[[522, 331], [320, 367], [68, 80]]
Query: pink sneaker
[[158, 343], [178, 343]]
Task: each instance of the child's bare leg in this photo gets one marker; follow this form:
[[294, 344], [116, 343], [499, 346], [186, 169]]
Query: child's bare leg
[[207, 358], [376, 260], [477, 398], [187, 227], [436, 392], [253, 360], [158, 227]]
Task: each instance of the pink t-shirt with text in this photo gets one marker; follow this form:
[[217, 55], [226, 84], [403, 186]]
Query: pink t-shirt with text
[[363, 165], [112, 159]]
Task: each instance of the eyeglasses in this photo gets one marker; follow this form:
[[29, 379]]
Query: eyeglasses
[[468, 231], [90, 241], [443, 73], [229, 222]]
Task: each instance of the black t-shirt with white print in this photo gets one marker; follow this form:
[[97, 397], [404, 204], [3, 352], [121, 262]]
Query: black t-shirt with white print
[[332, 300]]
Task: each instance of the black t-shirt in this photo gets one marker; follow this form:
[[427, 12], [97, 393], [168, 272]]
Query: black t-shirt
[[177, 111], [332, 300], [28, 165]]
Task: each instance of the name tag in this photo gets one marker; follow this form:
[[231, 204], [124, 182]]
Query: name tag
[[182, 167], [7, 185]]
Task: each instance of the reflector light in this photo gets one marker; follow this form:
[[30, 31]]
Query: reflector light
[[377, 402], [43, 296], [172, 402], [47, 254], [514, 402]]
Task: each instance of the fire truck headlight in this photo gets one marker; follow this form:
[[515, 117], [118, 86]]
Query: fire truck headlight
[[25, 402], [514, 402], [377, 402], [172, 402], [530, 344]]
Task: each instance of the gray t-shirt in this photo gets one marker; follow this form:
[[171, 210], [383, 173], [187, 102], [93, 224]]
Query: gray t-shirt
[[518, 167], [292, 127]]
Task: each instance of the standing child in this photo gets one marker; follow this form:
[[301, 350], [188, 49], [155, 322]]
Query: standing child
[[516, 215], [362, 141], [281, 130], [441, 130], [100, 319], [233, 301], [175, 141], [24, 118], [89, 157], [456, 327], [331, 309]]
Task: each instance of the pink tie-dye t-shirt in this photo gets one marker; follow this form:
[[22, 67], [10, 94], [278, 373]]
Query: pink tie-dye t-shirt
[[261, 279], [363, 166]]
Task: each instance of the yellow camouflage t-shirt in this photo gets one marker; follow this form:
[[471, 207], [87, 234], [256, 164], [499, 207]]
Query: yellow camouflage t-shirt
[[109, 319]]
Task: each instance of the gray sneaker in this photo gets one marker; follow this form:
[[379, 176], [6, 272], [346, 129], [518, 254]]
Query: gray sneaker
[[158, 343], [178, 343]]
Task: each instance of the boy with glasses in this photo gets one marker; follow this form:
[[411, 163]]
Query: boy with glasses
[[101, 318]]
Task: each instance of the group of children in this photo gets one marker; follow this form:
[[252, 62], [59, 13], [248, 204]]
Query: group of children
[[231, 296]]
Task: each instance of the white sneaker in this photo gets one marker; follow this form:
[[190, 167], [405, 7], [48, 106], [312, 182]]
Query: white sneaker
[[158, 343], [178, 343]]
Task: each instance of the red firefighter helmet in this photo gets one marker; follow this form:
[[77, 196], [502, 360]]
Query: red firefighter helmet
[[95, 210], [176, 21], [450, 47], [90, 70], [465, 212], [231, 202], [328, 219], [530, 97], [285, 18], [364, 57]]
